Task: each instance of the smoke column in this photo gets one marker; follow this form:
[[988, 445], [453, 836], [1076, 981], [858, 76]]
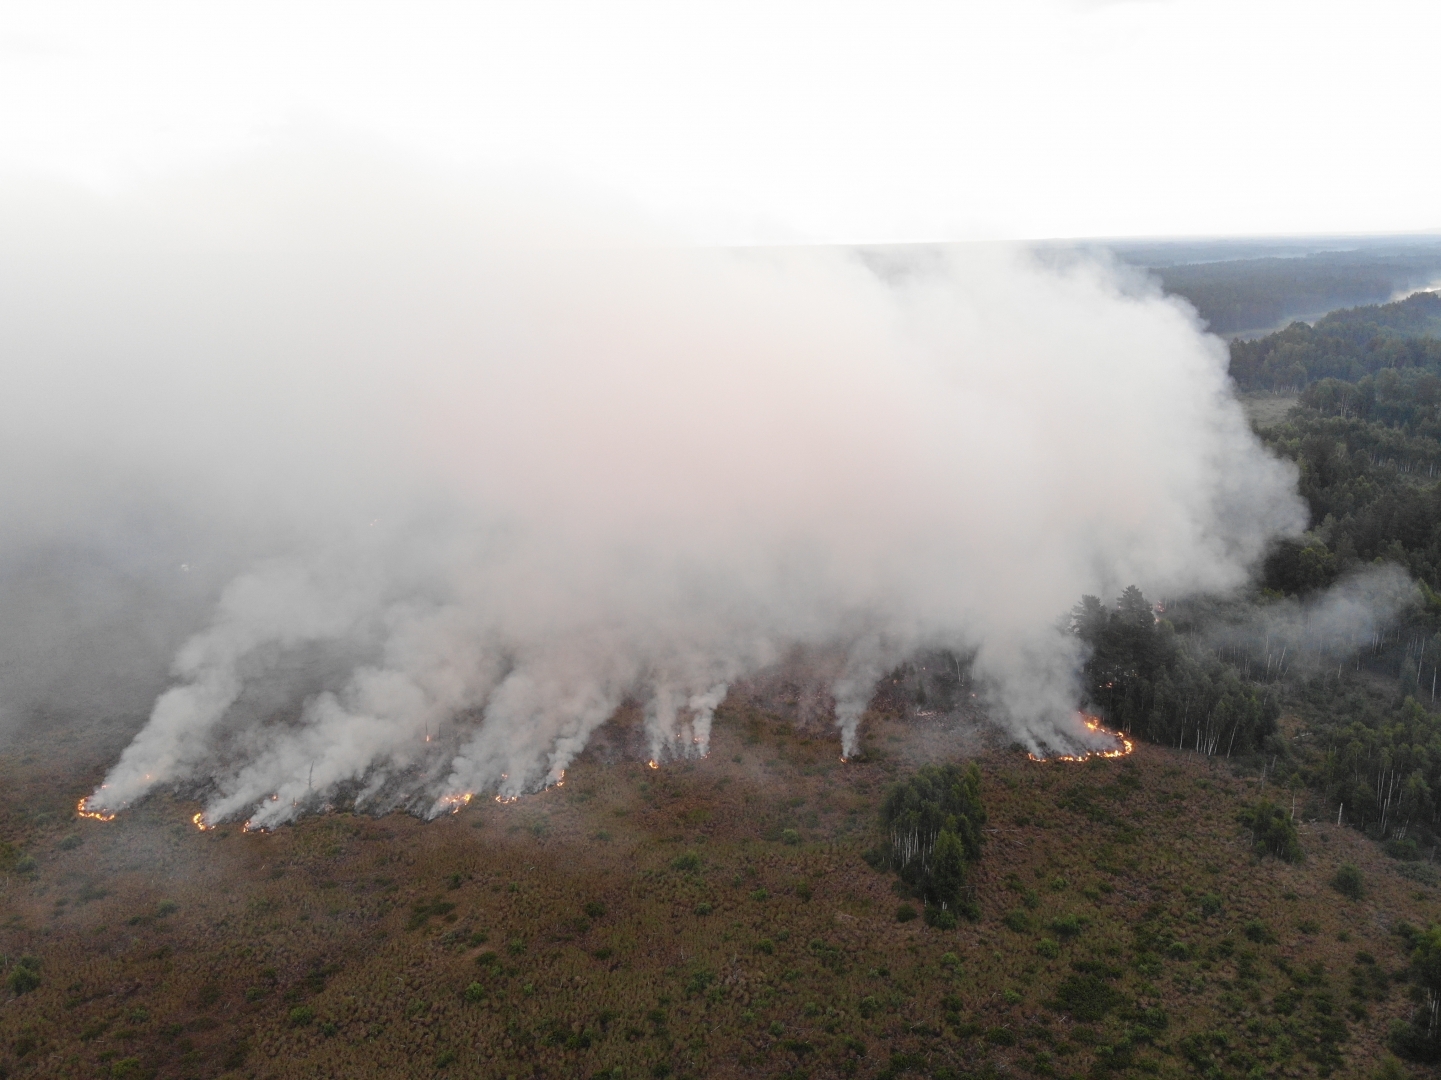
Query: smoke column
[[428, 480]]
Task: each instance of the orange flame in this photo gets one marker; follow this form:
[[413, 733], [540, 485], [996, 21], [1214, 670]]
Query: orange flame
[[94, 815], [457, 803], [1093, 723], [653, 763], [199, 820]]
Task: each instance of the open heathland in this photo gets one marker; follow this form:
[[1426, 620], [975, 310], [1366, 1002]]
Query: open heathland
[[711, 918]]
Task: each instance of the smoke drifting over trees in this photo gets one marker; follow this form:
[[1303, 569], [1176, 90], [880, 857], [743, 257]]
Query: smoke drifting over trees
[[425, 483]]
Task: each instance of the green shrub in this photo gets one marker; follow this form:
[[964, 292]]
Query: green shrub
[[1257, 931], [1421, 1039], [933, 821], [124, 1067], [1087, 997], [790, 836], [1405, 850], [444, 1058], [1154, 1018], [1048, 948], [24, 978], [474, 992], [1210, 905], [301, 1015], [1272, 831], [70, 843], [940, 918], [760, 894], [905, 913], [25, 864], [595, 909], [767, 946], [703, 908], [1348, 882], [1178, 950], [1067, 926], [686, 863], [1017, 920]]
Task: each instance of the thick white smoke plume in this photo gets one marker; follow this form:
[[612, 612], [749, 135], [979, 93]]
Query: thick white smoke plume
[[462, 480]]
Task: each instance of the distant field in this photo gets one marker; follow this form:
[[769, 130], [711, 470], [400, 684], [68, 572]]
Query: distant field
[[713, 918]]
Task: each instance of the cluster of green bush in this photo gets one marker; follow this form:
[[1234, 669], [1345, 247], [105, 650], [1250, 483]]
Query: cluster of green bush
[[932, 822], [1420, 1039], [24, 975], [1273, 832]]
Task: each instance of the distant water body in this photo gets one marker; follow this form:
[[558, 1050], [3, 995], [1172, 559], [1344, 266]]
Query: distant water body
[[1249, 288]]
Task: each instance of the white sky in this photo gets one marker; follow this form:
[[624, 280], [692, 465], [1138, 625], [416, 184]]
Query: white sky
[[780, 120]]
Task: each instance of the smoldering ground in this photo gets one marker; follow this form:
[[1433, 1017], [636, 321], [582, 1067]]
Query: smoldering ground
[[370, 454]]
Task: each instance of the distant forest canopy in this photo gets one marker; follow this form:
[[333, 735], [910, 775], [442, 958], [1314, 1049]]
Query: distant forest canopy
[[1346, 345], [1253, 294], [1365, 434]]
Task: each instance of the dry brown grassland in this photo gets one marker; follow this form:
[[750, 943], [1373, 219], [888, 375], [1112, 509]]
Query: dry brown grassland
[[712, 918]]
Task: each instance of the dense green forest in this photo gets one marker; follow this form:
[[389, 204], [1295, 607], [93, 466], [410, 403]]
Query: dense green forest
[[1216, 677], [1346, 346]]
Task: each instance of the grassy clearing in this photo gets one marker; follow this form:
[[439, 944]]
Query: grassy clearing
[[714, 918]]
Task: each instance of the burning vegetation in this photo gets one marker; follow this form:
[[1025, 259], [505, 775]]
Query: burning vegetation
[[1093, 724]]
